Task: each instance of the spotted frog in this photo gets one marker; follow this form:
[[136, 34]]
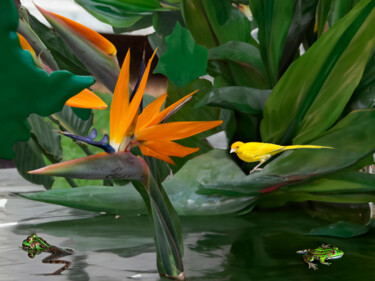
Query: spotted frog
[[321, 254], [34, 245]]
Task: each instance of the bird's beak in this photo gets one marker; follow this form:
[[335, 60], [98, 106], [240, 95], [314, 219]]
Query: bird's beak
[[232, 150]]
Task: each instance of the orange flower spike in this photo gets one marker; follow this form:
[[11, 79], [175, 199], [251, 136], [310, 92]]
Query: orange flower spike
[[120, 105], [162, 115], [150, 111], [175, 130], [90, 35], [170, 148], [86, 99], [132, 114], [149, 152]]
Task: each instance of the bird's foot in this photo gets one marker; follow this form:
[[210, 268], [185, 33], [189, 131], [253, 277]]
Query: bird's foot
[[254, 170]]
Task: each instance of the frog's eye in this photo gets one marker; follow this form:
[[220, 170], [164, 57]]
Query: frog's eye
[[333, 252]]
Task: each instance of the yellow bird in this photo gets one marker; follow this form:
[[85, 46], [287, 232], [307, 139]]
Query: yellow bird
[[259, 151]]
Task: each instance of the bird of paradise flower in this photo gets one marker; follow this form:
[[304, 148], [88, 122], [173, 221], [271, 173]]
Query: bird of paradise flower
[[148, 130]]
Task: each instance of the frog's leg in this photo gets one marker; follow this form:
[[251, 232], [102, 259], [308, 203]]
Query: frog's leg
[[323, 261], [54, 258], [309, 260], [50, 259]]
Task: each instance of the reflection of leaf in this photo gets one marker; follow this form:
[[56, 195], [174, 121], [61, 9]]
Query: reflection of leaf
[[343, 229], [27, 89], [184, 60]]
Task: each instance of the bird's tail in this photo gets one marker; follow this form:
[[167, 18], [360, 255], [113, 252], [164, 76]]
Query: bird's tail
[[305, 146]]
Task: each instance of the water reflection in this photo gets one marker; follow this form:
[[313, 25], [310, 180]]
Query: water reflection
[[260, 246]]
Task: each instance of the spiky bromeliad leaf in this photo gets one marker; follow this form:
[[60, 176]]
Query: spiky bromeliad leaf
[[25, 88]]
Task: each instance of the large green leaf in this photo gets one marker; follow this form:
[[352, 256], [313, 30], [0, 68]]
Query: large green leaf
[[300, 28], [164, 22], [273, 19], [215, 22], [181, 190], [190, 113], [322, 16], [305, 104], [184, 60], [48, 140], [243, 99], [70, 122], [244, 54], [29, 157], [27, 89], [364, 95], [119, 13], [339, 8], [352, 142], [343, 187]]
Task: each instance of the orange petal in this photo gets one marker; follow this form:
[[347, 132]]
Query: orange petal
[[150, 112], [25, 45], [149, 152], [120, 105], [170, 148], [86, 99], [162, 115], [175, 130], [90, 35], [132, 114]]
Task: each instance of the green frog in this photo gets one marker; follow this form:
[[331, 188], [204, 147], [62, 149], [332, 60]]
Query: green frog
[[34, 245], [322, 254]]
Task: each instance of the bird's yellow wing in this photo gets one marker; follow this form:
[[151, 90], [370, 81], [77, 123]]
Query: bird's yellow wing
[[258, 151]]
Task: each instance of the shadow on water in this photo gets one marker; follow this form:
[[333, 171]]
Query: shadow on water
[[260, 246]]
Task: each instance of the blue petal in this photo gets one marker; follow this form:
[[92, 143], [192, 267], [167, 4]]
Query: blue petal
[[103, 143], [92, 134]]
